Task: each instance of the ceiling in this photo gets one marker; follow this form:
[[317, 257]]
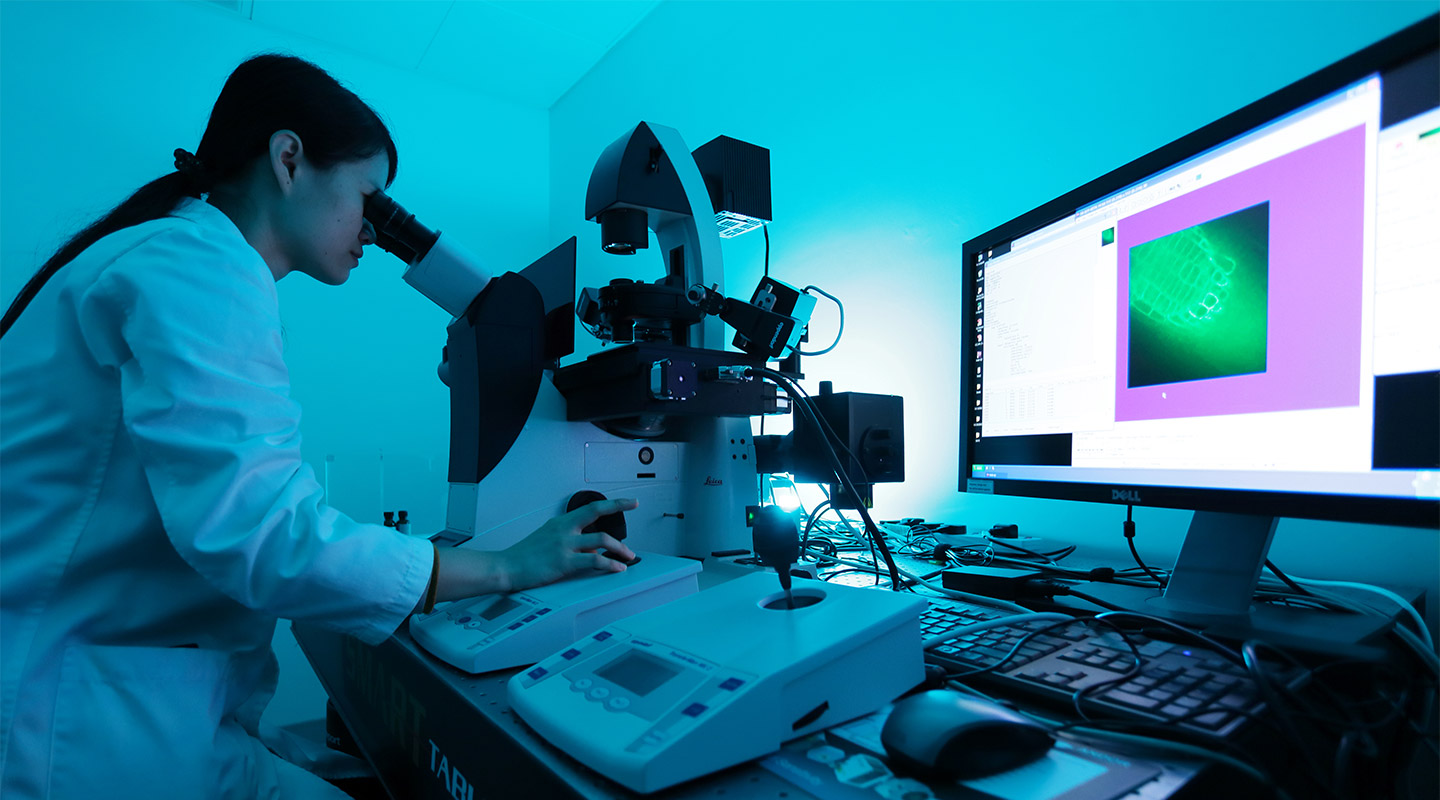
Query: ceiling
[[528, 51]]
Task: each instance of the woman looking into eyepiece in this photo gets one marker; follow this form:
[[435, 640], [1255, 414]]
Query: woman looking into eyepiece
[[156, 518]]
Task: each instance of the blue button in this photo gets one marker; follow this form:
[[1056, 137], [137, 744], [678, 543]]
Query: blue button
[[537, 672], [462, 620], [529, 618], [514, 626], [731, 684], [694, 710], [569, 654], [542, 611], [602, 636]]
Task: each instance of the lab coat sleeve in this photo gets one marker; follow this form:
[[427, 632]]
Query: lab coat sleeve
[[192, 325]]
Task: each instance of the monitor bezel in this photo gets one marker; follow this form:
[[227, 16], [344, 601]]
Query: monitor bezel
[[1399, 48]]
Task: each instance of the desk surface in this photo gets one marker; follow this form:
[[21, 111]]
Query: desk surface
[[432, 731], [421, 723]]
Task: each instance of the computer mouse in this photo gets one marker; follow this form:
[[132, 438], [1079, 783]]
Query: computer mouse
[[943, 734], [613, 524]]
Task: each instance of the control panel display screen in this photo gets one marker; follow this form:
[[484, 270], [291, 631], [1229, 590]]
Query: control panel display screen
[[502, 606], [638, 673]]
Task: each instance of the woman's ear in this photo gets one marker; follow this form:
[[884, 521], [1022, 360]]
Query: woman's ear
[[286, 150]]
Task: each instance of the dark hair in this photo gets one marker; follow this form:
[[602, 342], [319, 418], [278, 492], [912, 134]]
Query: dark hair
[[265, 94]]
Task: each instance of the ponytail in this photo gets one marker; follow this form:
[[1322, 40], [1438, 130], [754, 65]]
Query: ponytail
[[152, 201]]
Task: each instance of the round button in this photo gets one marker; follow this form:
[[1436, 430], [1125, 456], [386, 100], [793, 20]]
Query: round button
[[582, 684], [646, 455], [598, 693], [618, 704]]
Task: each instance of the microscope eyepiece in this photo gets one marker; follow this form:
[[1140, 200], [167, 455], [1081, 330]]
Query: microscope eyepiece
[[396, 230]]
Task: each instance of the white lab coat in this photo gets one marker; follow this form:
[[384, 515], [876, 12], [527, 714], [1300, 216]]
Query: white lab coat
[[156, 519]]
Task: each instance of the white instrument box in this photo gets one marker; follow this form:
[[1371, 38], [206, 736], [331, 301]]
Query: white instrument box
[[721, 677], [500, 631]]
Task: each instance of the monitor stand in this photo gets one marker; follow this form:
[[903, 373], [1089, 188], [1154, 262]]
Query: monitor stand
[[1212, 589]]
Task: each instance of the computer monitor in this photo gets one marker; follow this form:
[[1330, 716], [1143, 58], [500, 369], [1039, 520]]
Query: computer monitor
[[1245, 322]]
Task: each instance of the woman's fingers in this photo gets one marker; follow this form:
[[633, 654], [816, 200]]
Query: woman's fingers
[[588, 513], [594, 541], [595, 561]]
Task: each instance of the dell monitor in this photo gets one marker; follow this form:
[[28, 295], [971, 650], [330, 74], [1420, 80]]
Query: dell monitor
[[1245, 322]]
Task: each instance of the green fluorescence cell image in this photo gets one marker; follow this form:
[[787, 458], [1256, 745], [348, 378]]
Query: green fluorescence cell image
[[1198, 301]]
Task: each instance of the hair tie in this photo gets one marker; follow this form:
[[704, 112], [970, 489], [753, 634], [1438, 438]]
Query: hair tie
[[190, 165]]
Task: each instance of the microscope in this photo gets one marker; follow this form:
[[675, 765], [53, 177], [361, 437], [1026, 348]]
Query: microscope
[[661, 414]]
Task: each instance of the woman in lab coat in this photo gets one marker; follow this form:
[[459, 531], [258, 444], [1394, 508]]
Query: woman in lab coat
[[155, 515]]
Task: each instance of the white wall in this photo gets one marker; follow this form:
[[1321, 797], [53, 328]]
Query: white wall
[[94, 97], [97, 95], [900, 130]]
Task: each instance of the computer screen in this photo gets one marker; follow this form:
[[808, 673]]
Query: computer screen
[[1245, 321], [1251, 325]]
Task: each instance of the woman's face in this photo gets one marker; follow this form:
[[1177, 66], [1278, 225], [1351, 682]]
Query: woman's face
[[325, 219]]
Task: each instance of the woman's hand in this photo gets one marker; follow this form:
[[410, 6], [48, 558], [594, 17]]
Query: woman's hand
[[558, 549], [553, 551]]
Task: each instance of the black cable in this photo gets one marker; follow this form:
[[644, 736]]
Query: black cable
[[802, 402], [766, 230], [1294, 587], [1285, 718], [810, 523], [1049, 557], [1089, 576], [825, 545], [1219, 648], [873, 560], [831, 575], [1089, 599], [823, 425], [1130, 539]]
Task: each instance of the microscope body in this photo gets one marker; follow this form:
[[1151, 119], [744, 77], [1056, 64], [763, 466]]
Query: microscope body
[[661, 416]]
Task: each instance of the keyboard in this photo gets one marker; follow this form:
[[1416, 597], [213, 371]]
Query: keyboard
[[1179, 684]]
